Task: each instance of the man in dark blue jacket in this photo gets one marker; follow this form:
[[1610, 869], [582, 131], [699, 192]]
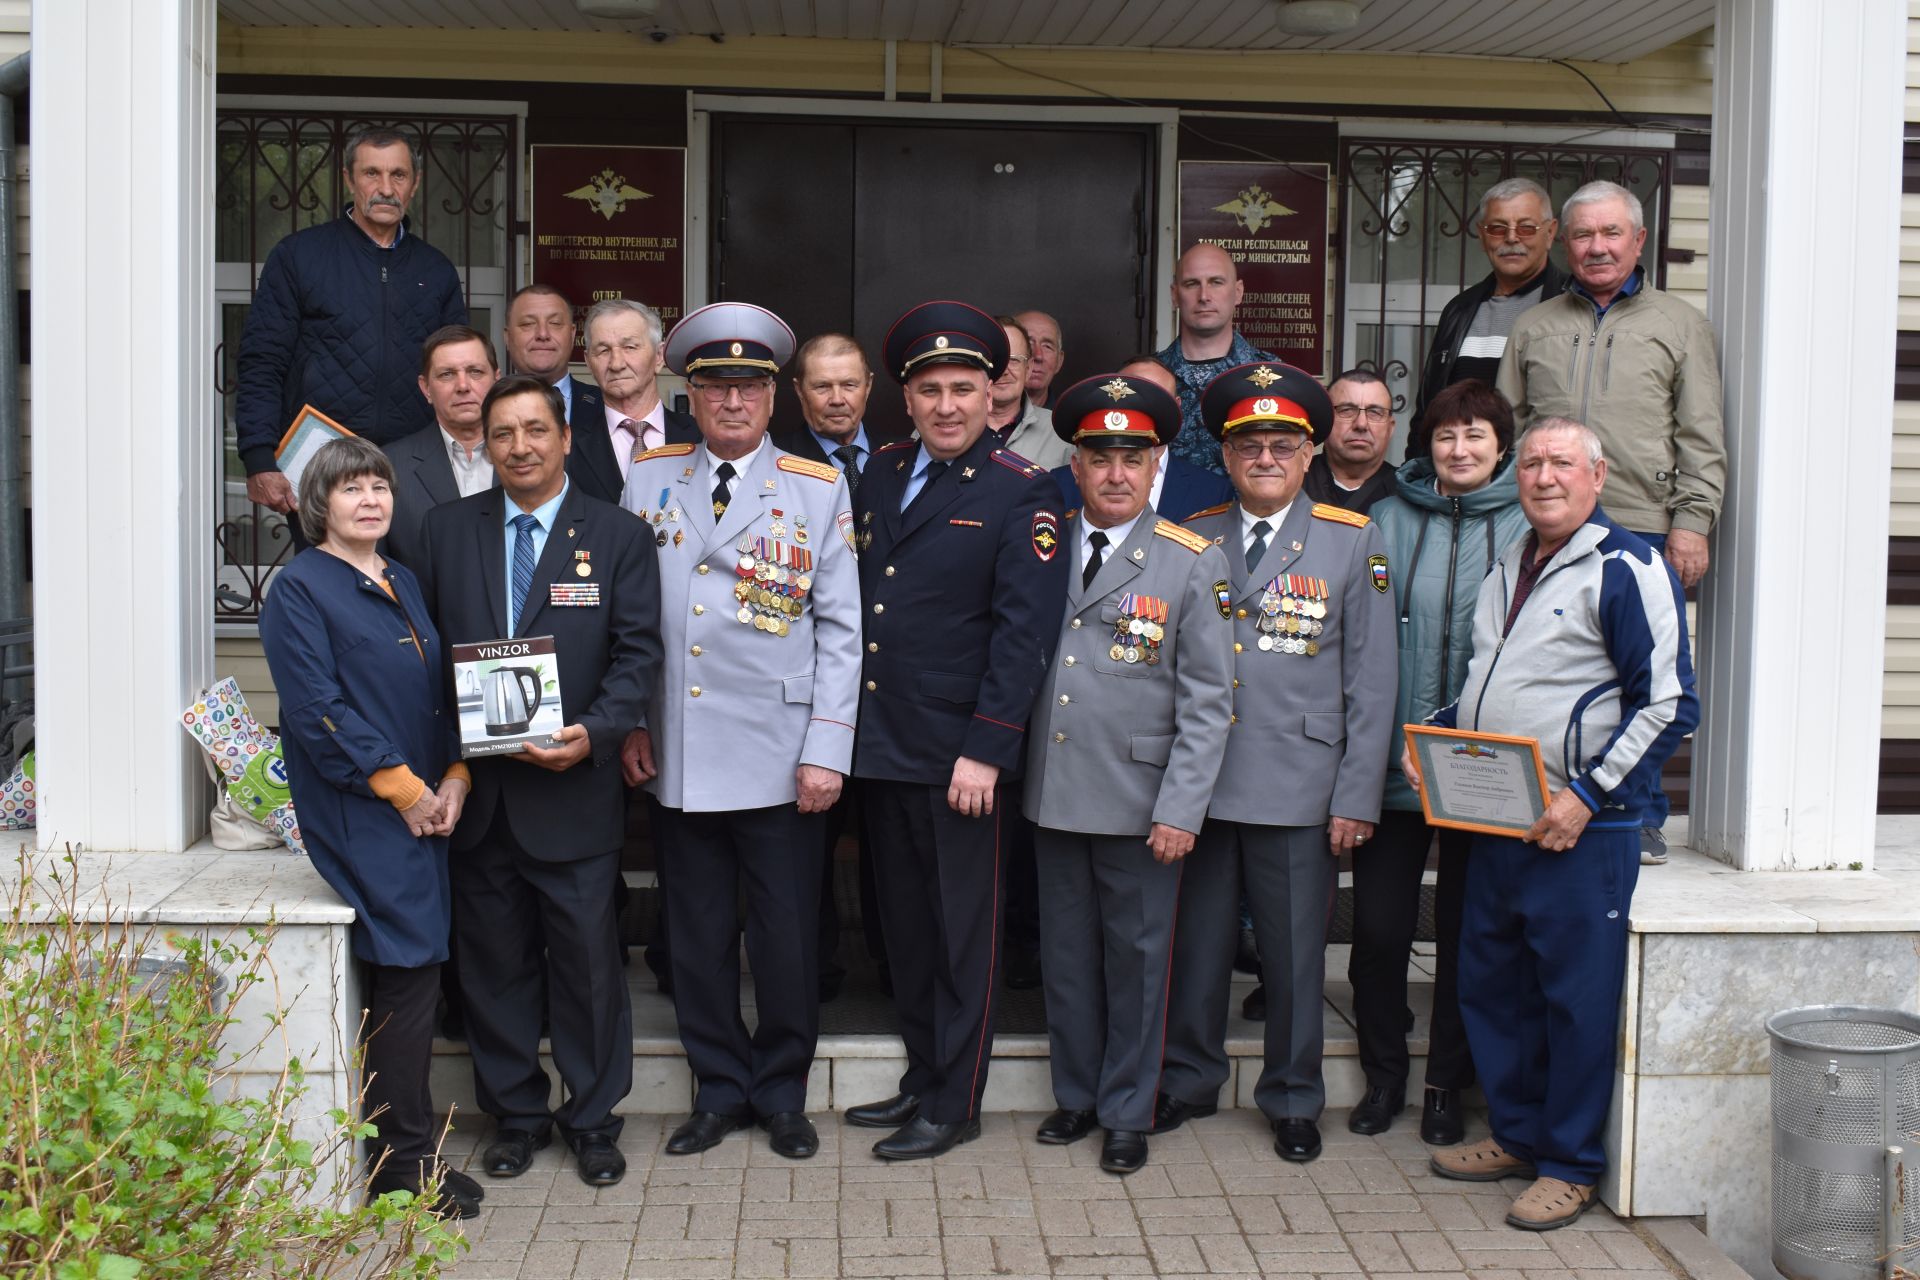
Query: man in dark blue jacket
[[339, 315]]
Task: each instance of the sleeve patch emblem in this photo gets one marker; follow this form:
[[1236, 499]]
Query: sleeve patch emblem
[[1377, 566], [1223, 597], [1046, 535]]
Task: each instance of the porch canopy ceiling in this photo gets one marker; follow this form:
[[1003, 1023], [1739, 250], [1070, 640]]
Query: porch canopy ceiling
[[1584, 30]]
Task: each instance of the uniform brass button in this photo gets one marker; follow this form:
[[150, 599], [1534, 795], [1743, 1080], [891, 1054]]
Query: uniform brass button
[[1069, 660], [871, 686], [889, 571], [1233, 719], [872, 647], [1075, 624], [1064, 699], [699, 609], [1236, 684], [695, 691], [696, 651], [702, 571], [1059, 737], [1238, 647], [1243, 613], [879, 608]]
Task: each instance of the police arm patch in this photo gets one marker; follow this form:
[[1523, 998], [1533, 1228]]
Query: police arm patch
[[1223, 596], [1377, 569], [1046, 535]]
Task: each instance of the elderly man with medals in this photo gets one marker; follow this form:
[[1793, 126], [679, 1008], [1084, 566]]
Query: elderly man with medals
[[1127, 737], [750, 730]]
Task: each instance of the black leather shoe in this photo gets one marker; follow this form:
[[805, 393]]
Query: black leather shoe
[[446, 1205], [1064, 1127], [1254, 1007], [1296, 1140], [451, 1179], [703, 1130], [1170, 1112], [791, 1134], [1441, 1121], [511, 1152], [1247, 958], [922, 1139], [1376, 1111], [599, 1160], [890, 1114], [1023, 969], [1123, 1152]]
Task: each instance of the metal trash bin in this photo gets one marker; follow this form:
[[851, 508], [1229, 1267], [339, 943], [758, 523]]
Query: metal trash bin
[[1846, 1123]]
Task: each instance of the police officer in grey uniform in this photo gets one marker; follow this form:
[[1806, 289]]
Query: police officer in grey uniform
[[1126, 738], [1315, 669], [749, 733]]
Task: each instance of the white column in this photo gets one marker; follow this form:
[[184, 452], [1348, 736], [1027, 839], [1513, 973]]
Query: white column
[[124, 446], [1802, 279]]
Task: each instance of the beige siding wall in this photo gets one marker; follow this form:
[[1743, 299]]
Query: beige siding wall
[[242, 658], [1900, 697]]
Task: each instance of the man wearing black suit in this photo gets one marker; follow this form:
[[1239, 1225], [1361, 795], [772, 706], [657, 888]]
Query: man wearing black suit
[[539, 336], [447, 460], [1179, 488], [624, 352], [539, 841]]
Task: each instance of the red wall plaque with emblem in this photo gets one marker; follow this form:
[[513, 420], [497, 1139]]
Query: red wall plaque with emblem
[[1271, 218], [610, 222]]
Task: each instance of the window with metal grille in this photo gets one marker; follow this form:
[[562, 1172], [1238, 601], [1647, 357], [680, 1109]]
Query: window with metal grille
[[277, 170], [1408, 244]]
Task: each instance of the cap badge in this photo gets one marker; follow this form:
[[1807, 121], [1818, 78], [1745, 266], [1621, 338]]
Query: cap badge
[[1266, 406], [1117, 420], [736, 349], [941, 342], [1263, 378], [1118, 389]]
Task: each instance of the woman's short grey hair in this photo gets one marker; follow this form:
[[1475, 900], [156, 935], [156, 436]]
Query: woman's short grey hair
[[619, 306], [1596, 191], [335, 463], [1512, 189], [1554, 426]]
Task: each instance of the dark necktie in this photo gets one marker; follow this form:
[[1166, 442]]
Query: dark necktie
[[721, 475], [849, 455], [1096, 554], [523, 525], [1258, 547], [935, 469]]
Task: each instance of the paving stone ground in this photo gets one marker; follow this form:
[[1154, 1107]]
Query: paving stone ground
[[1213, 1201]]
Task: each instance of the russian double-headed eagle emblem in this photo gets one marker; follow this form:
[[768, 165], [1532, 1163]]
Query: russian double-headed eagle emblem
[[1254, 208], [608, 193]]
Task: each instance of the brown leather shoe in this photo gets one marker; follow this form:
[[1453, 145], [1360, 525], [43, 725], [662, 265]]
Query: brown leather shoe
[[1550, 1203], [1484, 1161]]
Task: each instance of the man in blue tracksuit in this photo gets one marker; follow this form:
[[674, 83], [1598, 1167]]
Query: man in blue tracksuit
[[1579, 642]]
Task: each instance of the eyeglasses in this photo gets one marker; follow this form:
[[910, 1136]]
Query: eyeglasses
[[1250, 450], [1373, 412], [751, 390], [1499, 230]]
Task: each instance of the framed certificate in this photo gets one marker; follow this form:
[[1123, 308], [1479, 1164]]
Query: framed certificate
[[1478, 781], [310, 431]]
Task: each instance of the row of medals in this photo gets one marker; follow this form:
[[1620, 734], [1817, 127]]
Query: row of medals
[[1291, 609], [1140, 629], [773, 583]]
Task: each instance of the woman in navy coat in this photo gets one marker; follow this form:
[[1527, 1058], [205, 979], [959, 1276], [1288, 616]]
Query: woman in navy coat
[[372, 758]]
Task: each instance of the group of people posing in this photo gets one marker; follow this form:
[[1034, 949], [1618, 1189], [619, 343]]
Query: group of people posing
[[1191, 714]]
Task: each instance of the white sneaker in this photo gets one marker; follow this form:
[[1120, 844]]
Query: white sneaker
[[1653, 847]]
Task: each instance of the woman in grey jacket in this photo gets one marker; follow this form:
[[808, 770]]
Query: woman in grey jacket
[[1453, 514]]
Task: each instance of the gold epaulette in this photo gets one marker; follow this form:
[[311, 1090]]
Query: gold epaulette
[[1340, 515], [1210, 511], [1071, 513], [1185, 537], [664, 451], [807, 467]]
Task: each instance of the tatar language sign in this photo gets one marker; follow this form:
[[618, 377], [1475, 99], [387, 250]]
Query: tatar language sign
[[1271, 218]]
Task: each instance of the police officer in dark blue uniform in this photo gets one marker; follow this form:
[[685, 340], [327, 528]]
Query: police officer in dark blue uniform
[[962, 584]]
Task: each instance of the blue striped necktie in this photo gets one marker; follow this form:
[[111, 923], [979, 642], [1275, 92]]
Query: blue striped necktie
[[524, 525]]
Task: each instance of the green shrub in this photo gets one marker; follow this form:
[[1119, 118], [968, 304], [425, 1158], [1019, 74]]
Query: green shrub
[[126, 1149]]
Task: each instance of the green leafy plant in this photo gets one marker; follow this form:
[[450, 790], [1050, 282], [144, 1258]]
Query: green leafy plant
[[128, 1151]]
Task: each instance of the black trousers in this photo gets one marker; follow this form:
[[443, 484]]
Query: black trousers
[[1386, 911], [938, 875], [1023, 882], [508, 905], [399, 1055], [712, 856]]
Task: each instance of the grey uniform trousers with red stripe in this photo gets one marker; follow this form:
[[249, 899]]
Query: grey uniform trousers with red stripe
[[938, 876], [1106, 940]]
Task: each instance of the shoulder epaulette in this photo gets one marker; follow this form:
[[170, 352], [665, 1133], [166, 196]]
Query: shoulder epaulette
[[1210, 511], [1340, 515], [1014, 462], [1185, 537], [897, 444], [807, 467], [665, 451], [1070, 513]]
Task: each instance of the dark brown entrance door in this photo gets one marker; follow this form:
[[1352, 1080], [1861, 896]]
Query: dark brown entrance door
[[845, 224]]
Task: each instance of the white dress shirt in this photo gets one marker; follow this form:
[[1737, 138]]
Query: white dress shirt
[[1116, 538], [1274, 521], [472, 472]]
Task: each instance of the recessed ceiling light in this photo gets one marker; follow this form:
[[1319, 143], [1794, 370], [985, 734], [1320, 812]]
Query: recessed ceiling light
[[1318, 17]]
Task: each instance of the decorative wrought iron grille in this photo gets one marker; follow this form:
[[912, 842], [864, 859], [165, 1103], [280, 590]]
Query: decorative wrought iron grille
[[1408, 246], [277, 171]]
